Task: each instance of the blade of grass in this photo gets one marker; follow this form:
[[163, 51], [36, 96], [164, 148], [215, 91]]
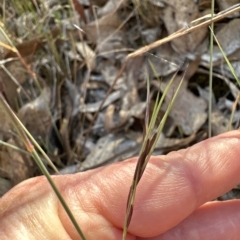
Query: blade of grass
[[164, 119], [157, 107], [148, 146], [13, 147], [233, 73], [14, 49], [184, 31], [15, 80], [147, 108], [22, 129], [210, 75], [226, 59], [30, 148]]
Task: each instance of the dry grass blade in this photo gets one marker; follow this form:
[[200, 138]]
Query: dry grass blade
[[186, 30], [7, 46], [31, 149], [14, 50], [150, 139], [24, 134]]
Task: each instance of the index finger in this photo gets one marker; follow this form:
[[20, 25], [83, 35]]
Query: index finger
[[172, 186]]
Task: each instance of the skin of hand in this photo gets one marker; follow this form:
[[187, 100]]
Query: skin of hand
[[172, 200]]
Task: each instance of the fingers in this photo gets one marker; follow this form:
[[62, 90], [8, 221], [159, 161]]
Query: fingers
[[212, 221], [172, 187]]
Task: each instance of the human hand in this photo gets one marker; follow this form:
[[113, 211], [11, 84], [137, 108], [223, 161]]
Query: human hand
[[171, 200]]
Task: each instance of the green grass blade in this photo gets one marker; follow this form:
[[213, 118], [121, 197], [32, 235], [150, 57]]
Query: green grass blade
[[163, 121], [210, 75], [226, 59], [149, 143], [30, 148]]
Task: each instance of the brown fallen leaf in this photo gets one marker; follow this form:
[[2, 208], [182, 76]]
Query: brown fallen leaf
[[37, 113], [96, 28], [80, 9], [87, 53], [229, 38], [14, 165], [180, 14], [12, 75], [188, 111], [28, 48]]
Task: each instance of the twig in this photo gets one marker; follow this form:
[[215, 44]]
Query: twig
[[184, 31]]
